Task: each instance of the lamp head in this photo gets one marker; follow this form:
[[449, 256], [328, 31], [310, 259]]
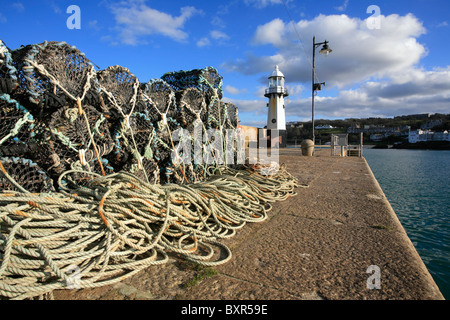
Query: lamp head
[[325, 49]]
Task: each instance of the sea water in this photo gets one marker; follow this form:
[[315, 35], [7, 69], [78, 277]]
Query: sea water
[[417, 184]]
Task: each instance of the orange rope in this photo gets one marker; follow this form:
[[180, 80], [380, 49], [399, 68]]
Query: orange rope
[[100, 211]]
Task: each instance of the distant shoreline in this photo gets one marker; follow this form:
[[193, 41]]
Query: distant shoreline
[[429, 145]]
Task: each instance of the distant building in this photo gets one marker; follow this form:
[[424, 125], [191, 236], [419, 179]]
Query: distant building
[[294, 124], [325, 126], [426, 135], [373, 126], [373, 129]]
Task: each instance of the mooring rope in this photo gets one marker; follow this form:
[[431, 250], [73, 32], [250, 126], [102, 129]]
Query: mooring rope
[[118, 224]]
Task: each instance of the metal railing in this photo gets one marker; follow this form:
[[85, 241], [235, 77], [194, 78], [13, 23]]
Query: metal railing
[[276, 90]]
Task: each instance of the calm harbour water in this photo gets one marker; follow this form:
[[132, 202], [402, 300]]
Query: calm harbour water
[[416, 183]]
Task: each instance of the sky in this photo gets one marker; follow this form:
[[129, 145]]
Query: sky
[[389, 58]]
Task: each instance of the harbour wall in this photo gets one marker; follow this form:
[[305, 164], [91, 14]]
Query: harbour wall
[[337, 239]]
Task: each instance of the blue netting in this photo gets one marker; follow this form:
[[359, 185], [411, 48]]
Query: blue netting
[[207, 80]]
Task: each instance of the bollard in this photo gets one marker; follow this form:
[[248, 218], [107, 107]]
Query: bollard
[[307, 147]]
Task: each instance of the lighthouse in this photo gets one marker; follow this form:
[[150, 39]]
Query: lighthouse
[[276, 119]]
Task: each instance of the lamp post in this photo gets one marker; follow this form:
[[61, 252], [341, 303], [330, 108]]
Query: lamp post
[[317, 86]]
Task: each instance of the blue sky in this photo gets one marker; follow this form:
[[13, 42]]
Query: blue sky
[[400, 68]]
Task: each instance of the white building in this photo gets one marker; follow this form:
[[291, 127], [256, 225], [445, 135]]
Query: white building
[[423, 135], [325, 126]]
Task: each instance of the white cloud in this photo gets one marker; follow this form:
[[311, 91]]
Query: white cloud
[[203, 42], [263, 3], [3, 18], [295, 89], [56, 9], [358, 52], [233, 90], [272, 32], [419, 92], [343, 7], [376, 72], [219, 35], [256, 106], [218, 22], [135, 20], [94, 25], [18, 6], [443, 24], [412, 83]]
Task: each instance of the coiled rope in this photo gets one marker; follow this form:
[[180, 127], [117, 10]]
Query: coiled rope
[[118, 224]]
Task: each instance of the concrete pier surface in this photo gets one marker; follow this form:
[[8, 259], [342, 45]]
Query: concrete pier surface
[[337, 239]]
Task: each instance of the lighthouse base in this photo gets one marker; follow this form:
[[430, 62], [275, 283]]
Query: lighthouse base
[[276, 138]]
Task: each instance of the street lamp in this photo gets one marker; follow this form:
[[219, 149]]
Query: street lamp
[[317, 86]]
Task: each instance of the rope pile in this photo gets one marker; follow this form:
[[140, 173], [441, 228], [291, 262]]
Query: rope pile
[[90, 192]]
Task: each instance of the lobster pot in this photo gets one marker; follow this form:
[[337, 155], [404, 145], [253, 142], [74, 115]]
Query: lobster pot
[[160, 101], [17, 129], [161, 107], [135, 146], [207, 80], [25, 174], [67, 141], [232, 117], [119, 90], [180, 174], [180, 168], [216, 115], [83, 174], [52, 75], [60, 112], [8, 77], [192, 104]]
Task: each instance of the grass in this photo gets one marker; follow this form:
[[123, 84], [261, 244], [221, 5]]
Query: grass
[[201, 273]]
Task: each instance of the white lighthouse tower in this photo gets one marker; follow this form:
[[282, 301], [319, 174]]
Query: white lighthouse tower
[[276, 118]]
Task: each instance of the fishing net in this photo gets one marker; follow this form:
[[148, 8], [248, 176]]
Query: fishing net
[[215, 114], [17, 128], [21, 174], [192, 107], [207, 80], [135, 139], [232, 118], [67, 138], [83, 173], [160, 99], [119, 90], [52, 74], [106, 121], [8, 78]]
